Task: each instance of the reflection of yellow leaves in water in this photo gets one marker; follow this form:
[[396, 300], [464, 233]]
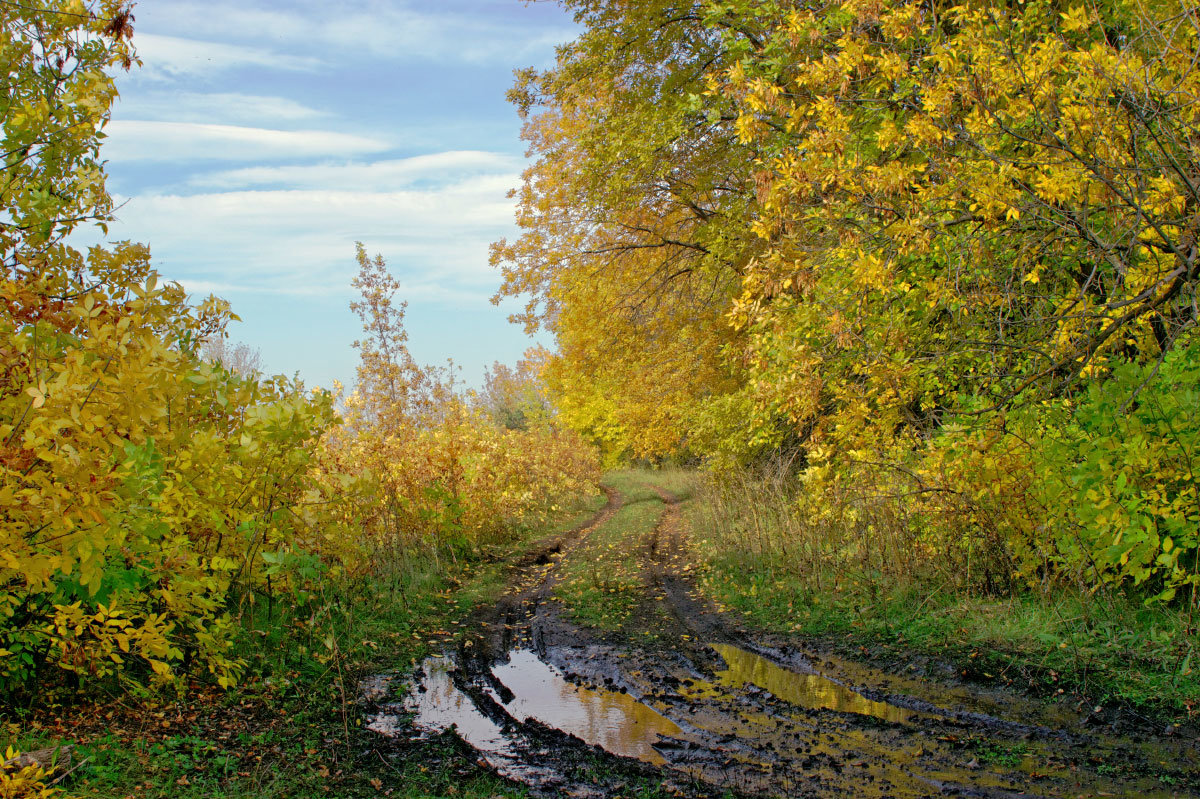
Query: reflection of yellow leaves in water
[[804, 690], [616, 721]]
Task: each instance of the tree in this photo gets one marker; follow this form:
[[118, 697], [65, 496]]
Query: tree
[[141, 489], [444, 474], [389, 380], [909, 242], [515, 397], [240, 358], [633, 219], [976, 216], [57, 98]]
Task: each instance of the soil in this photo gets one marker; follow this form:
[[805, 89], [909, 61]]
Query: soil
[[686, 700]]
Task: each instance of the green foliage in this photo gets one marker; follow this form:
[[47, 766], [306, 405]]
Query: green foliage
[[1122, 465], [290, 727], [757, 562]]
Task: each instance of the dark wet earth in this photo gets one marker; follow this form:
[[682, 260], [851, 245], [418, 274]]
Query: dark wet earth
[[707, 709]]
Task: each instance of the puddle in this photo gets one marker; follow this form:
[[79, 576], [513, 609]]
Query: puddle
[[615, 721], [805, 690], [728, 737], [442, 705], [533, 689]]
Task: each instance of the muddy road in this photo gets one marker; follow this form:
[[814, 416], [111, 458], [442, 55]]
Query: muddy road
[[682, 699]]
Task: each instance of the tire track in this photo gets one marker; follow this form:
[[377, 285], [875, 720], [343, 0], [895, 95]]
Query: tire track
[[937, 714]]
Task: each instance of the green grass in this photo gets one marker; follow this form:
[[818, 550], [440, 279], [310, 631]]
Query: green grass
[[600, 580], [198, 767], [682, 483], [293, 728], [1110, 649]]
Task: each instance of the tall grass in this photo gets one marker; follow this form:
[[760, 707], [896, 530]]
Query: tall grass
[[768, 519], [874, 564]]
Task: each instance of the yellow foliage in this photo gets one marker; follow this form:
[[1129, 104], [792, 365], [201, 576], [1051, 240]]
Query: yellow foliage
[[141, 485], [433, 467], [25, 782], [142, 490], [633, 226], [930, 218]]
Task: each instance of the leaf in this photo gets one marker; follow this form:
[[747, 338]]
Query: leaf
[[39, 398]]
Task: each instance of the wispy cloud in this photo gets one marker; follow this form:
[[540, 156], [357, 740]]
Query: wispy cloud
[[302, 241], [260, 140], [369, 28], [166, 57], [213, 107], [385, 175], [144, 140]]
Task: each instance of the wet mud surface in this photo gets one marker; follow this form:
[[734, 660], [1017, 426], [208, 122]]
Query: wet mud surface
[[685, 699]]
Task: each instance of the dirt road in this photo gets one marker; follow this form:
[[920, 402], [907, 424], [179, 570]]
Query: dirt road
[[681, 698]]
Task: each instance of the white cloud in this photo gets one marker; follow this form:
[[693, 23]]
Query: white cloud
[[383, 175], [143, 140], [302, 241], [166, 57], [231, 146], [367, 27], [212, 107]]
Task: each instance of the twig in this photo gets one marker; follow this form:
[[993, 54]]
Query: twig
[[68, 772]]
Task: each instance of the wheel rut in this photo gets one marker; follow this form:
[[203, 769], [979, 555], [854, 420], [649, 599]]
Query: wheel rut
[[709, 708]]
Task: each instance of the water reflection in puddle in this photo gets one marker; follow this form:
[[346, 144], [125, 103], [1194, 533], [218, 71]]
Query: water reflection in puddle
[[615, 721], [442, 705], [732, 739], [804, 690]]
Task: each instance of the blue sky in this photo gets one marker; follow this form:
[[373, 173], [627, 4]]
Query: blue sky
[[260, 140]]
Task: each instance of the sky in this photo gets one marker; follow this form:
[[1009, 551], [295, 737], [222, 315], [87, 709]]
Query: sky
[[260, 140]]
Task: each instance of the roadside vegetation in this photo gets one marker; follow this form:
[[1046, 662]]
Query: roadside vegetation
[[761, 561], [293, 725], [754, 559]]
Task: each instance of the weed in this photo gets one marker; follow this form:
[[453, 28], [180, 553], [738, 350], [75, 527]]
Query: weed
[[1009, 755]]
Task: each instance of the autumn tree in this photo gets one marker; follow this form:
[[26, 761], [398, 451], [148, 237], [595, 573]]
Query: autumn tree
[[971, 183], [920, 245], [633, 219], [390, 382], [445, 476], [515, 397], [142, 490], [239, 358], [972, 209]]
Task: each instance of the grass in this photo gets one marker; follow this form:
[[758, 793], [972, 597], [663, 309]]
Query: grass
[[293, 728], [601, 583], [1107, 648]]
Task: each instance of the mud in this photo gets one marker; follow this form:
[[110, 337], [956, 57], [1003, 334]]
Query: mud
[[707, 708]]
